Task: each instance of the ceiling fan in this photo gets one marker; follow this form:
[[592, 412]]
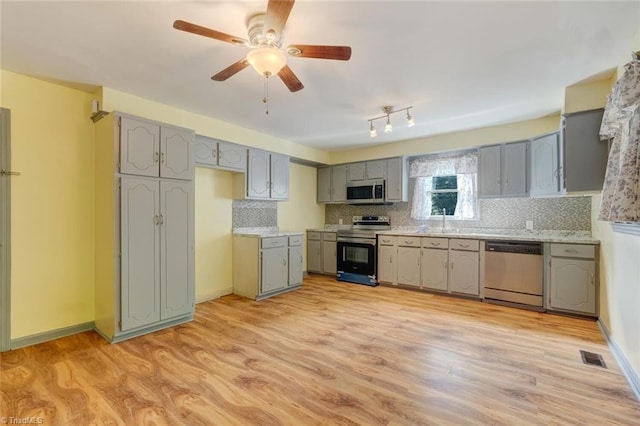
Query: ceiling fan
[[267, 56]]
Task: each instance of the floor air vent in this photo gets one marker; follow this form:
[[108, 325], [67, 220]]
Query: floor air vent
[[590, 358]]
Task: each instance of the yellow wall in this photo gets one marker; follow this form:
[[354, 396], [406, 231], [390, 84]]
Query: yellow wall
[[620, 277], [113, 100], [586, 96], [452, 141], [301, 211], [213, 233], [52, 241]]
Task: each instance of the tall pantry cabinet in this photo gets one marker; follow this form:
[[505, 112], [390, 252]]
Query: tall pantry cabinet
[[144, 230]]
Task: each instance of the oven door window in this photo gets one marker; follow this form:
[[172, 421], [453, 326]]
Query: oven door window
[[356, 258]]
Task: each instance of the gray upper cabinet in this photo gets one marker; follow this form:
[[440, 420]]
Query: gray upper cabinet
[[152, 149], [332, 184], [375, 169], [545, 166], [585, 156], [397, 180], [221, 155], [489, 171], [503, 170], [514, 169], [267, 176]]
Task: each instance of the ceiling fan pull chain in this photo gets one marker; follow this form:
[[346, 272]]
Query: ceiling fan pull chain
[[265, 99]]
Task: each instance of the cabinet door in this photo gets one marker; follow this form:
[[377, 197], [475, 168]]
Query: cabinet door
[[232, 156], [376, 169], [177, 256], [409, 266], [357, 171], [258, 176], [339, 183], [573, 285], [279, 177], [489, 171], [545, 172], [295, 265], [387, 264], [314, 259], [275, 269], [585, 156], [140, 250], [515, 169], [139, 147], [324, 185], [434, 269], [205, 151], [329, 257], [464, 272], [395, 180], [176, 153]]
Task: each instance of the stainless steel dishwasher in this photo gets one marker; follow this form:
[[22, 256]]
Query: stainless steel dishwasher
[[513, 273]]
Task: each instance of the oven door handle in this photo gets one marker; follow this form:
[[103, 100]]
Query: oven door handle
[[357, 240]]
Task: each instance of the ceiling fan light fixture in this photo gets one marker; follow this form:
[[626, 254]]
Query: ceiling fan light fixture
[[267, 60]]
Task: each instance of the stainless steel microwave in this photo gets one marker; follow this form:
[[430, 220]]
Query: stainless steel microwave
[[365, 191]]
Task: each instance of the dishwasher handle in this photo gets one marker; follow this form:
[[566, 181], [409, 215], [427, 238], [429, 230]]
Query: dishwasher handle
[[521, 247]]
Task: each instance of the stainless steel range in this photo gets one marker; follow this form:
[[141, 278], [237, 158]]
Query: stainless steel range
[[357, 254]]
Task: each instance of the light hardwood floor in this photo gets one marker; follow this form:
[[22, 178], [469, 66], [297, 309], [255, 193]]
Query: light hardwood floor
[[329, 353]]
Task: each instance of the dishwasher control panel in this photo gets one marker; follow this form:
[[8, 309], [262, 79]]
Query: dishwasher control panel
[[522, 247]]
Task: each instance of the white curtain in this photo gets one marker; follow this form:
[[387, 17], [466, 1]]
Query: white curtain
[[621, 121], [423, 169]]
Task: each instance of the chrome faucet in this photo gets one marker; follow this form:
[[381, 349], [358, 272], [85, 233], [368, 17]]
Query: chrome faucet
[[444, 215]]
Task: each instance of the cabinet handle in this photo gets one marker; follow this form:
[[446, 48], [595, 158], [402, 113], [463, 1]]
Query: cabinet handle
[[451, 264], [506, 182], [162, 157], [446, 264], [408, 242], [300, 258], [390, 259], [435, 244], [284, 262], [156, 219], [161, 219], [156, 156], [592, 278], [571, 251], [214, 153], [464, 245]]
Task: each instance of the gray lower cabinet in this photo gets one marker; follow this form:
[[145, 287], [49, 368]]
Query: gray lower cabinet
[[220, 155], [387, 259], [266, 266], [546, 172], [435, 268], [157, 251], [464, 272], [322, 252], [572, 279], [408, 261], [149, 148]]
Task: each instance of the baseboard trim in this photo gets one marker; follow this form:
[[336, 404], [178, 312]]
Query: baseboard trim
[[46, 336], [625, 365], [215, 294], [147, 330]]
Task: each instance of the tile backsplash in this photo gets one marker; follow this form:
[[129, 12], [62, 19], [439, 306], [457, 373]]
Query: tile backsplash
[[251, 214], [563, 213]]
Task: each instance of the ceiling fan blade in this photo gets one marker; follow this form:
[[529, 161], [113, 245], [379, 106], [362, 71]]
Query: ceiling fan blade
[[208, 32], [277, 15], [231, 70], [289, 79], [340, 53]]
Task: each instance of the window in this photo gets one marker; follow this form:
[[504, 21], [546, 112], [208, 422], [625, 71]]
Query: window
[[444, 195], [445, 183]]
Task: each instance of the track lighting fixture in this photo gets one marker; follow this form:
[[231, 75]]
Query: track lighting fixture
[[388, 128]]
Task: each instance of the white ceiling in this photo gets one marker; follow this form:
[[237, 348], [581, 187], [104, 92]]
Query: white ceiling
[[460, 65]]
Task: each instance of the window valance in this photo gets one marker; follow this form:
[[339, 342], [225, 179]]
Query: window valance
[[444, 165]]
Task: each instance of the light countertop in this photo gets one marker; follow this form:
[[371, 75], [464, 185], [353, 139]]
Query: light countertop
[[550, 236], [263, 232]]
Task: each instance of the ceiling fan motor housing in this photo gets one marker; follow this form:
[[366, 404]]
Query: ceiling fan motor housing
[[257, 37]]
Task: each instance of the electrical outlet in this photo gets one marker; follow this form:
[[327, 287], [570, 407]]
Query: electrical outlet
[[529, 224], [340, 221]]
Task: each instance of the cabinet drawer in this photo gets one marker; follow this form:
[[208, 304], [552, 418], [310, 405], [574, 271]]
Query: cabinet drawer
[[459, 244], [409, 241], [274, 242], [573, 250], [295, 240], [314, 235], [329, 236], [437, 243], [386, 240]]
